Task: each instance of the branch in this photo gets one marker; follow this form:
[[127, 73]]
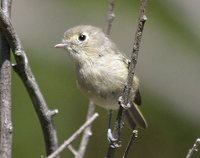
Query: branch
[[5, 91], [23, 69], [124, 99], [111, 16], [87, 132], [134, 54], [134, 135], [73, 151], [74, 136], [194, 148]]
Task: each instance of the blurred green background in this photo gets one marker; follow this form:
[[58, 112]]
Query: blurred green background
[[168, 67]]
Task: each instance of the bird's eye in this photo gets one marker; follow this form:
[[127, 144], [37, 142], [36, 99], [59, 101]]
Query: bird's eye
[[82, 37]]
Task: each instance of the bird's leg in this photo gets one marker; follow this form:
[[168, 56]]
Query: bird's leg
[[110, 137], [109, 133]]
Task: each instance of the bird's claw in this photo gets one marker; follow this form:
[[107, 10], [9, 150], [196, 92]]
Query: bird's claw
[[110, 136], [112, 141], [121, 103]]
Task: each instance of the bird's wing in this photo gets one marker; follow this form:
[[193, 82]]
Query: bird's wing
[[137, 99], [134, 117]]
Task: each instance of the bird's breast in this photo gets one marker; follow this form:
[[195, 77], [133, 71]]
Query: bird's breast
[[103, 84]]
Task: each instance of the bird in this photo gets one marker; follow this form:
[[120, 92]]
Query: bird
[[101, 71]]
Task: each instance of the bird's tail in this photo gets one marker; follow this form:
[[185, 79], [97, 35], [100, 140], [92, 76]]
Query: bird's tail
[[134, 117]]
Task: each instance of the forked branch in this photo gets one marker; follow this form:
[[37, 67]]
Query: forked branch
[[24, 71], [74, 136]]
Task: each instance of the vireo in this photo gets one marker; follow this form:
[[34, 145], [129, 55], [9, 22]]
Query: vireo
[[102, 70]]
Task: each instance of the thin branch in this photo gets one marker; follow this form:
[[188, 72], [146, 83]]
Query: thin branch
[[194, 148], [124, 99], [134, 135], [110, 17], [134, 56], [6, 7], [73, 151], [74, 136], [5, 90], [87, 132], [24, 71], [111, 151]]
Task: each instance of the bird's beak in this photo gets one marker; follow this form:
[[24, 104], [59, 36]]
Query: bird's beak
[[61, 45]]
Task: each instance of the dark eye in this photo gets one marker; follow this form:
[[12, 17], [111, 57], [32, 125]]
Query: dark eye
[[82, 37]]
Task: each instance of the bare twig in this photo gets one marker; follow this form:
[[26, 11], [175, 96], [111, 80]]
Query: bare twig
[[5, 90], [134, 56], [87, 132], [124, 100], [134, 135], [110, 17], [24, 71], [73, 151], [193, 149], [6, 7], [111, 151], [74, 136]]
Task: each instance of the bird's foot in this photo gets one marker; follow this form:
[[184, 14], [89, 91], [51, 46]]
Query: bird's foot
[[121, 103], [112, 141]]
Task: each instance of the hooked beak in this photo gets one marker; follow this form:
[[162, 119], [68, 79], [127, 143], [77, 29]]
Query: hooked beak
[[61, 45]]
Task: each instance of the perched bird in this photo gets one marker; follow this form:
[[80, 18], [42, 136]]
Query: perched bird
[[102, 70]]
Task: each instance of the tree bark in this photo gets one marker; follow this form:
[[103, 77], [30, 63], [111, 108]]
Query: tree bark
[[5, 91]]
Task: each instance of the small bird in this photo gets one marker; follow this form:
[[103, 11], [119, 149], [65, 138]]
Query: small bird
[[102, 70]]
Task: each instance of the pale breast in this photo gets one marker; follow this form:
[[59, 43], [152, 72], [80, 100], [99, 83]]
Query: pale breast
[[103, 82]]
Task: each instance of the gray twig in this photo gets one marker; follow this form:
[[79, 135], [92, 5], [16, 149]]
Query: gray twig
[[134, 135], [74, 136], [124, 99], [24, 71], [194, 148], [110, 17], [87, 132], [131, 71], [5, 90], [71, 148]]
